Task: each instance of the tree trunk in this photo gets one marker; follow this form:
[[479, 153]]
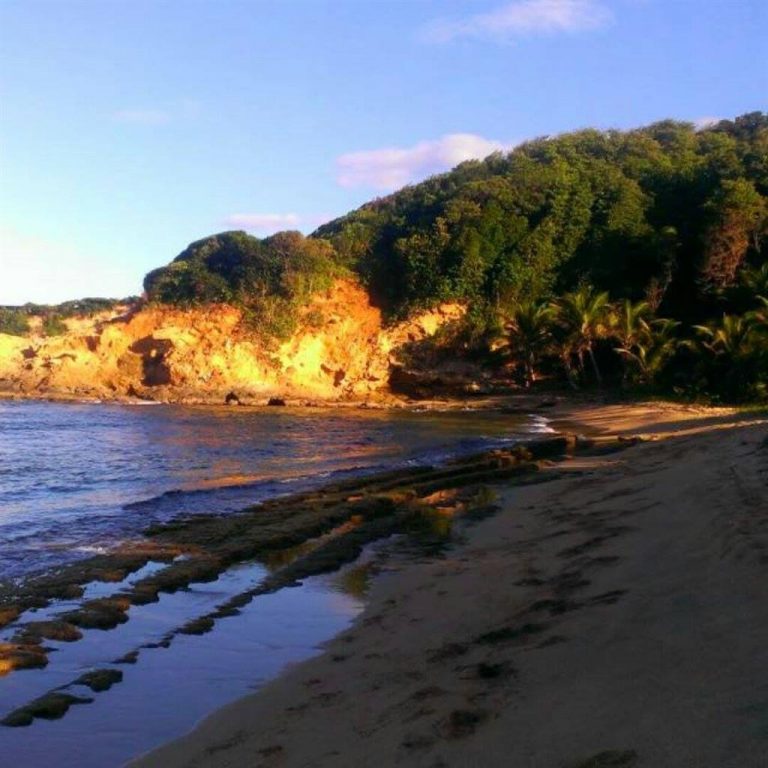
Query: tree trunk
[[594, 365], [569, 372], [530, 375]]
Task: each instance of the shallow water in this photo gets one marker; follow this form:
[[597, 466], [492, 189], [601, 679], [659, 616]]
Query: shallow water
[[75, 478], [168, 690]]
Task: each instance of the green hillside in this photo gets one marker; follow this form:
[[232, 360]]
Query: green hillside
[[665, 212], [638, 254]]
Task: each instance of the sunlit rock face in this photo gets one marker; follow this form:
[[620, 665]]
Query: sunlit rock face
[[341, 350]]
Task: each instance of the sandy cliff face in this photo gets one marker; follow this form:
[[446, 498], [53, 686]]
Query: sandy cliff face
[[340, 351]]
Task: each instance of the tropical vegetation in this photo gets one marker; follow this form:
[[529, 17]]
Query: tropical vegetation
[[15, 320], [270, 279], [636, 258], [726, 358]]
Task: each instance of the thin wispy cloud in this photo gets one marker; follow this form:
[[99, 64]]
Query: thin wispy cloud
[[700, 123], [393, 167], [521, 19], [142, 116], [183, 109], [264, 223], [269, 223]]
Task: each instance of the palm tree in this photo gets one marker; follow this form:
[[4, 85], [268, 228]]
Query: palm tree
[[736, 354], [583, 318], [756, 279], [732, 336], [629, 323], [759, 316], [529, 329], [652, 350]]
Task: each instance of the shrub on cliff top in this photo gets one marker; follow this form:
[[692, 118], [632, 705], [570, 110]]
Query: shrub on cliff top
[[13, 322], [53, 325], [269, 279]]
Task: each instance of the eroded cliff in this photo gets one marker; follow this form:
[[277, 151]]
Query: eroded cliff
[[341, 350]]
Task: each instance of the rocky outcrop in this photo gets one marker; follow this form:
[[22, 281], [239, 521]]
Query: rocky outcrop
[[341, 351]]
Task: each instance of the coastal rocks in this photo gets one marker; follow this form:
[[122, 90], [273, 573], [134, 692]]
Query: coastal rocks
[[295, 537], [8, 614], [154, 353], [176, 576], [21, 656], [197, 626], [547, 447], [276, 401], [99, 680], [128, 658], [52, 706], [61, 631], [442, 381], [101, 613]]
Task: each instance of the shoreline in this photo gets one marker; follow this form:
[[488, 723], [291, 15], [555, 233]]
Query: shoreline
[[307, 533], [381, 400], [459, 497], [572, 410], [426, 685]]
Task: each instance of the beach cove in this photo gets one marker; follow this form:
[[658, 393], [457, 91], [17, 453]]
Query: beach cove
[[453, 614], [611, 617], [95, 610]]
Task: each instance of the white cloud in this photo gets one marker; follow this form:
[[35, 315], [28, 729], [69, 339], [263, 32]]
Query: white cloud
[[269, 223], [264, 223], [705, 122], [393, 167], [527, 17], [142, 116]]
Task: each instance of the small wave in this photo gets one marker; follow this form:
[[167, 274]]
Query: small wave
[[540, 425], [192, 493], [74, 478], [261, 484], [91, 549]]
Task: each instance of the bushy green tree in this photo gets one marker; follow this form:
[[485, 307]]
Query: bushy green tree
[[54, 325], [13, 322], [668, 220], [583, 318], [529, 336], [269, 279], [659, 214]]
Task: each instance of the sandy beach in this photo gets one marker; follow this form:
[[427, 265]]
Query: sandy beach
[[615, 616]]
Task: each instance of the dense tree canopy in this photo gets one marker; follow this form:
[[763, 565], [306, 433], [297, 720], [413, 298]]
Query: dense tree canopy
[[666, 213], [639, 255], [269, 278]]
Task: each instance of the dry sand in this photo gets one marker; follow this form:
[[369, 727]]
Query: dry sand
[[615, 616]]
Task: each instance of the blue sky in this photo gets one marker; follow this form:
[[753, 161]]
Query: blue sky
[[129, 129]]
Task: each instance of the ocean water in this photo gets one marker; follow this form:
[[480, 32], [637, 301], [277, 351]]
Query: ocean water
[[77, 478], [167, 691]]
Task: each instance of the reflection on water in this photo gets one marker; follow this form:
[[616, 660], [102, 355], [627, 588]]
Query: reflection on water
[[168, 690], [77, 477]]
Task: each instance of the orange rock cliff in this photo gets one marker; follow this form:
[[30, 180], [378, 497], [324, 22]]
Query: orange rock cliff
[[341, 350]]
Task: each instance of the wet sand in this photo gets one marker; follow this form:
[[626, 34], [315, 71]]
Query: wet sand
[[615, 616]]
